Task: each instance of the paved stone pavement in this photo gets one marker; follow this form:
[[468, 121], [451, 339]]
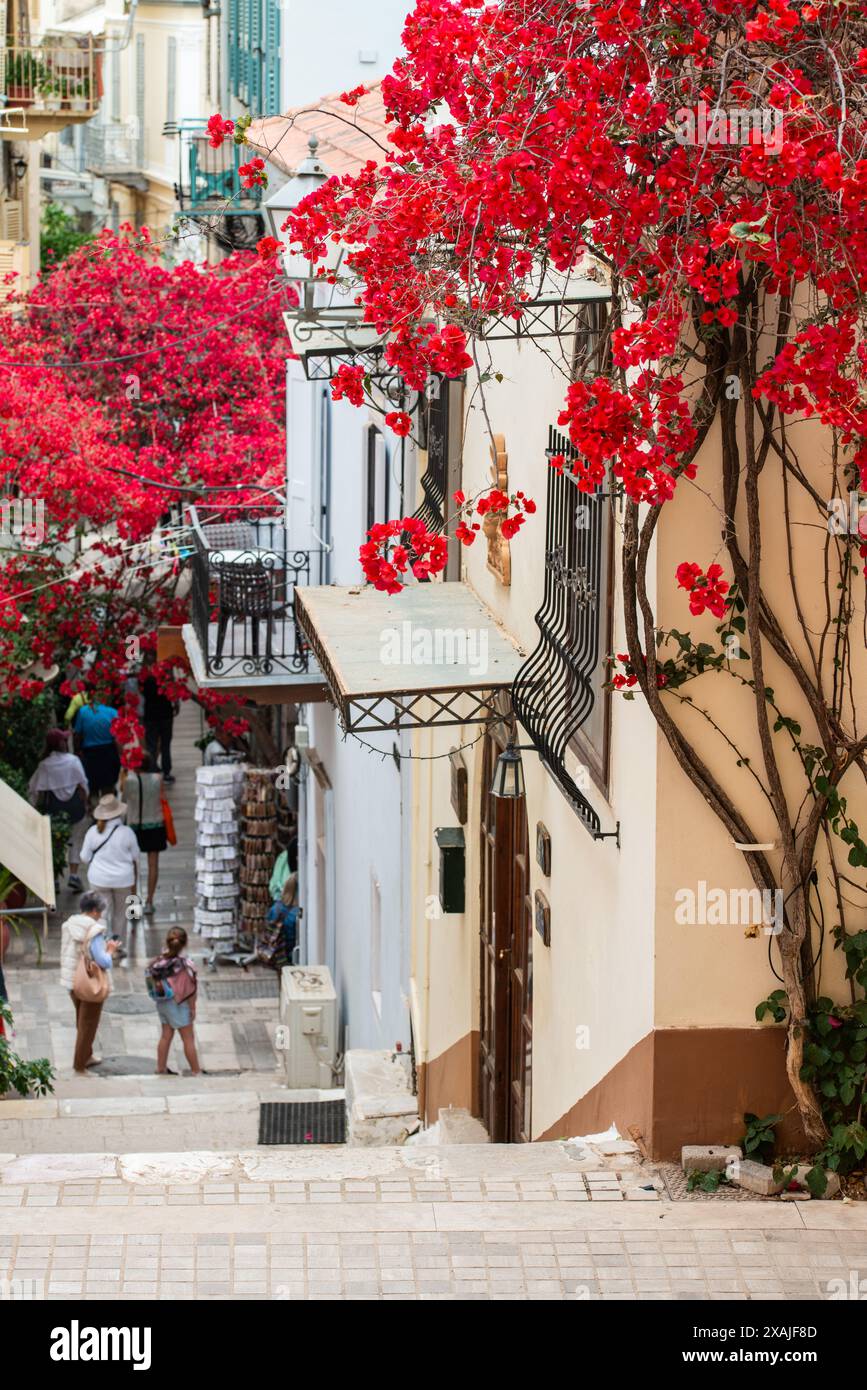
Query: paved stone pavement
[[468, 1222], [234, 1034]]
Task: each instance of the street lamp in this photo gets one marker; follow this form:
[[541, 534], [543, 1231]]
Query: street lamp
[[19, 168], [508, 781], [317, 329]]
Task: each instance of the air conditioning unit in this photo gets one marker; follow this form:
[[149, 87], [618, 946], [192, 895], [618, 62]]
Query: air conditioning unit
[[308, 1026]]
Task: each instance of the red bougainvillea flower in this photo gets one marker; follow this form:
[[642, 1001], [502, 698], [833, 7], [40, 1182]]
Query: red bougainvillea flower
[[219, 130], [508, 513], [399, 421], [348, 384], [129, 735], [707, 590], [393, 547], [253, 174], [351, 98], [267, 247]]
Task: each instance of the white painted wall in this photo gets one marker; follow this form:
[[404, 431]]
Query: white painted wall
[[327, 478], [336, 44]]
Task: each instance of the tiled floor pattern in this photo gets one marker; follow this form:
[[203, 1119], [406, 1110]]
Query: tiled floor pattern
[[714, 1265], [113, 1192]]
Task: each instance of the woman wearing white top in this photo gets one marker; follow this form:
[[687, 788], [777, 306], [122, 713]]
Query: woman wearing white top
[[110, 851], [58, 787]]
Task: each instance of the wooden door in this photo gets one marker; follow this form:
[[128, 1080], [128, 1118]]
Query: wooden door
[[505, 1030]]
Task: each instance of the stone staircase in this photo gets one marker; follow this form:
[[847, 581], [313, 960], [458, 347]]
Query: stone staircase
[[144, 1114]]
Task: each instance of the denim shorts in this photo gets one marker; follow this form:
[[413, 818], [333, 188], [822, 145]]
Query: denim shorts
[[174, 1014]]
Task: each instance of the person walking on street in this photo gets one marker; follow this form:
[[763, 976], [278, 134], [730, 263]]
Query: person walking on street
[[143, 789], [84, 931], [110, 851], [159, 718], [95, 744], [173, 984], [58, 787]]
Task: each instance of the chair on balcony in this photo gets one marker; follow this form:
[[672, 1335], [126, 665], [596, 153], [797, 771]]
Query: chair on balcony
[[245, 592], [230, 535]]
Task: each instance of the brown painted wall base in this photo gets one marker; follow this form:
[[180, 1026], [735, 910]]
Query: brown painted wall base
[[689, 1086], [676, 1086], [450, 1079]]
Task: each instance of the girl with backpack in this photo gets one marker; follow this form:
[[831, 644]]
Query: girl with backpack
[[172, 984]]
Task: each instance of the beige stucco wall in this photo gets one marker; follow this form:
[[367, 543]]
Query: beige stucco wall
[[598, 972], [619, 962], [713, 975]]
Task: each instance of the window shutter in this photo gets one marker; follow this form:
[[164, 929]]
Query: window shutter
[[140, 97], [11, 220], [171, 76], [271, 94], [114, 107], [234, 6], [255, 97]]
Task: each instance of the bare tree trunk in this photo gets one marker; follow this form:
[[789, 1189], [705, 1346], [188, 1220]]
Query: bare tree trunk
[[791, 940]]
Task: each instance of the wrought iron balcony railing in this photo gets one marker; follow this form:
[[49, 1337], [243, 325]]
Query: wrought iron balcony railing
[[556, 688], [208, 179], [243, 598], [114, 151], [57, 75]]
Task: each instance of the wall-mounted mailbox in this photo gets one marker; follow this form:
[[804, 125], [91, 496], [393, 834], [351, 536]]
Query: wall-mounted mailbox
[[453, 867]]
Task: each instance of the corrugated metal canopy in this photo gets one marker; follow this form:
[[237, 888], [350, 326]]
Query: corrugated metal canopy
[[432, 655]]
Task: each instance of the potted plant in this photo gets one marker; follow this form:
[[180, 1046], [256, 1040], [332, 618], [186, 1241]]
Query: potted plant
[[21, 78], [27, 1078], [12, 896], [49, 90], [80, 99]]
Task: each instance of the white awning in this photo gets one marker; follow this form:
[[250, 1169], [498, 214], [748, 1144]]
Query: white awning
[[26, 844], [430, 656]]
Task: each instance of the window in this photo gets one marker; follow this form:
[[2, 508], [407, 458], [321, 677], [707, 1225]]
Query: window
[[558, 693], [434, 442], [376, 478], [591, 350], [171, 77]]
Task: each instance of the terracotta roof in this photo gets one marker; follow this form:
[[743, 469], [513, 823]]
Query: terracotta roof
[[344, 133]]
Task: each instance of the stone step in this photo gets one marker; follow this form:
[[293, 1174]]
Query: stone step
[[175, 1118], [544, 1165]]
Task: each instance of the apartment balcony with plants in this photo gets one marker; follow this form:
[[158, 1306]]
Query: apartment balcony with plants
[[48, 82]]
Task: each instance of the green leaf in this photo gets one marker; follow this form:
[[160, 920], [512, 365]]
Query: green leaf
[[817, 1180]]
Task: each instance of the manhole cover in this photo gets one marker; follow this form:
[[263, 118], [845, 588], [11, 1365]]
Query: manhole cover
[[243, 989], [130, 1004], [302, 1122]]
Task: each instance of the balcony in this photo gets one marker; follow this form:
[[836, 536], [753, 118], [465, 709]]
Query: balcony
[[244, 635], [52, 83], [209, 181], [114, 152]]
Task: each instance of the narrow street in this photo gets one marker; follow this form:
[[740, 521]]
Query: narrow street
[[236, 1012], [444, 423]]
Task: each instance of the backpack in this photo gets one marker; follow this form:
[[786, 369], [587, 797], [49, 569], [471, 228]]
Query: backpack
[[74, 809]]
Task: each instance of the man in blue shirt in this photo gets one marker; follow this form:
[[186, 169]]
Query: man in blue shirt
[[96, 746]]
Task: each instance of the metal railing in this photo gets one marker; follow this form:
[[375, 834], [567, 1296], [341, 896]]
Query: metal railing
[[209, 180], [553, 693], [54, 75], [244, 575], [112, 150]]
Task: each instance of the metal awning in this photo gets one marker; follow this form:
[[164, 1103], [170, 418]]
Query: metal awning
[[428, 657]]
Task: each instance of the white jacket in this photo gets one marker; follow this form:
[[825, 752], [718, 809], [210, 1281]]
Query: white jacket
[[76, 930], [115, 865]]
